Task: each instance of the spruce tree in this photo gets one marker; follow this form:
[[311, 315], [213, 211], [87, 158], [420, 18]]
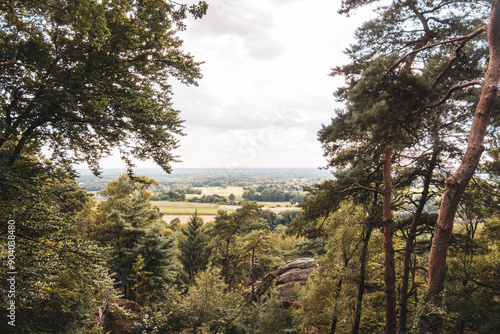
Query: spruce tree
[[192, 248]]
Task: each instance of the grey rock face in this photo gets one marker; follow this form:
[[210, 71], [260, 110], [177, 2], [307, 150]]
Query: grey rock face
[[286, 278]]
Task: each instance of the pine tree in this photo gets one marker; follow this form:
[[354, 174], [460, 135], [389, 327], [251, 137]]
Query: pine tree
[[193, 248], [159, 261], [226, 233]]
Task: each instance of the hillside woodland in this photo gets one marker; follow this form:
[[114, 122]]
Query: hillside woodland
[[404, 237]]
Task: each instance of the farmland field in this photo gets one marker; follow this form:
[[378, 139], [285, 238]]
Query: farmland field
[[185, 218], [186, 208], [207, 211], [189, 208]]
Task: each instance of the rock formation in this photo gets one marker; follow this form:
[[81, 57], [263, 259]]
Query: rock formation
[[288, 276]]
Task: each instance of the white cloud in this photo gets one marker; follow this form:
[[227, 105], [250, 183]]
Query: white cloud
[[266, 89]]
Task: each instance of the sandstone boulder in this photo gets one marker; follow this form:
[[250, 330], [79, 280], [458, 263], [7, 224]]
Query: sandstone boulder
[[286, 278]]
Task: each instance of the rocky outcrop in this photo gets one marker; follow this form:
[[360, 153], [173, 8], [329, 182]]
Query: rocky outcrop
[[286, 278], [290, 275]]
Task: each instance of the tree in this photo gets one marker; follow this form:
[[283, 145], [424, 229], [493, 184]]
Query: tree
[[91, 76], [159, 254], [257, 244], [348, 229], [130, 225], [457, 183], [62, 281], [209, 303], [139, 278], [225, 234], [193, 247], [424, 67]]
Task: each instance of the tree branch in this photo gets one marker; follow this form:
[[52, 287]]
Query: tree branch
[[458, 48], [357, 186], [9, 62], [454, 88], [456, 39]]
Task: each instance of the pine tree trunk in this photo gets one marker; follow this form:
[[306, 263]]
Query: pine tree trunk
[[333, 327], [226, 262], [410, 240], [253, 273], [456, 184], [389, 272], [362, 279]]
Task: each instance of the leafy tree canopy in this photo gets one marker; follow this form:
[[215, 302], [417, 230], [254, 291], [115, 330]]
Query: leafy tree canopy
[[88, 76]]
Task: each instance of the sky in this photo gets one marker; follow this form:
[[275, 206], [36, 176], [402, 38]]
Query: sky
[[266, 88]]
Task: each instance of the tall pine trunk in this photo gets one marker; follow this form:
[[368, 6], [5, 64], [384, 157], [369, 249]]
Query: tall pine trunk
[[410, 240], [362, 278], [335, 318], [389, 272], [456, 184]]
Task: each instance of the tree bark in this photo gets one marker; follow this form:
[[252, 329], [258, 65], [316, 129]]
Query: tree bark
[[253, 267], [389, 272], [456, 184], [362, 279], [333, 327], [410, 240]]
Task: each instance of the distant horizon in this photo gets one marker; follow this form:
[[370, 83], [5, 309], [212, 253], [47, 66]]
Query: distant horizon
[[106, 170], [229, 168]]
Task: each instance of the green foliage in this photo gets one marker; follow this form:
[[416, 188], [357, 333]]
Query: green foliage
[[91, 76], [192, 249], [331, 293], [130, 226], [171, 196], [272, 317], [209, 199], [61, 279], [226, 232], [429, 318], [275, 219], [473, 291], [159, 257], [208, 304], [139, 278], [267, 194]]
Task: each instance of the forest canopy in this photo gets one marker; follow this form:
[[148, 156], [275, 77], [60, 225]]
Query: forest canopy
[[403, 237]]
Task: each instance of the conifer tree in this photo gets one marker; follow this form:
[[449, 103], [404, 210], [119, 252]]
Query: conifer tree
[[131, 228], [159, 257], [226, 234], [420, 63], [193, 247]]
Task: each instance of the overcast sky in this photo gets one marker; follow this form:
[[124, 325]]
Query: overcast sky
[[265, 90]]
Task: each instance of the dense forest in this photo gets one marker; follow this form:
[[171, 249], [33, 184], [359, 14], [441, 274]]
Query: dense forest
[[402, 237]]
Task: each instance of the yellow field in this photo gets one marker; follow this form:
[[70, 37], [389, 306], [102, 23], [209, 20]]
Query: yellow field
[[186, 208]]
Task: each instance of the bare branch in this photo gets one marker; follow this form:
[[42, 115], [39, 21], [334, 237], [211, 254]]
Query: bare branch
[[454, 88], [357, 186], [456, 39], [421, 268], [10, 62], [374, 171]]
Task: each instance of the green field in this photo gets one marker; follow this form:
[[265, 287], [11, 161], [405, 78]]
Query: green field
[[189, 208]]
